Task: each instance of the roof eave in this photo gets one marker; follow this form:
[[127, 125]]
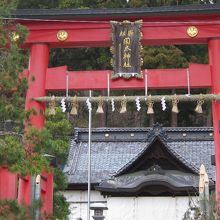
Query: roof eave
[[118, 13]]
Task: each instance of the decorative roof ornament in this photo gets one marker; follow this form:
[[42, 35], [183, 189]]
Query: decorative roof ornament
[[154, 169], [157, 131]]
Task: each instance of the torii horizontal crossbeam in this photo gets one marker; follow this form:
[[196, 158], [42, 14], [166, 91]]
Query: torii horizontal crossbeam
[[199, 77]]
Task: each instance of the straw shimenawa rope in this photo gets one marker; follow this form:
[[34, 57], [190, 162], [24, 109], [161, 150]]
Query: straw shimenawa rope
[[155, 98]]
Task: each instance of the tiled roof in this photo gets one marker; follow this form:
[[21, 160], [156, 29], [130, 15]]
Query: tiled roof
[[111, 152], [106, 159], [171, 150], [196, 153], [117, 12], [132, 183]]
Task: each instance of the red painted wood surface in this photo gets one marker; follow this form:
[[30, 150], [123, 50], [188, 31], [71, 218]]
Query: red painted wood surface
[[39, 56], [24, 190], [101, 37], [47, 192], [214, 55], [200, 77], [8, 184], [167, 31]]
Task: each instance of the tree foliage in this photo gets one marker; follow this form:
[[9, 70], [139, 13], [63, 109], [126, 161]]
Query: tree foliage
[[25, 152], [9, 209], [163, 57]]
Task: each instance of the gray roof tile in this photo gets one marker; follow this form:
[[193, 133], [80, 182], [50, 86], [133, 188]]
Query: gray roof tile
[[108, 157], [117, 12]]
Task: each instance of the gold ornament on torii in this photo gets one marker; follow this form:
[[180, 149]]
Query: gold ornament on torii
[[192, 31], [62, 35]]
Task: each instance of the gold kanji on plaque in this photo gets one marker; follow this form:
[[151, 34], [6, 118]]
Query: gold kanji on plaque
[[126, 49]]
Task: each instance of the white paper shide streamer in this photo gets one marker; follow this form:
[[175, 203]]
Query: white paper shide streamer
[[163, 103], [138, 104], [63, 105], [113, 104], [89, 105]]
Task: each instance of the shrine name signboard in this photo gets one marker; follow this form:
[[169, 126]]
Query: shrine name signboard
[[126, 49]]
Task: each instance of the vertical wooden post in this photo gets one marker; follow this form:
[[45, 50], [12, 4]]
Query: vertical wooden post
[[8, 184], [214, 60], [47, 192], [24, 190], [38, 64]]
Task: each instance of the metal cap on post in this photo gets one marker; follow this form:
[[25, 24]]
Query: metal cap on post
[[51, 159], [98, 210]]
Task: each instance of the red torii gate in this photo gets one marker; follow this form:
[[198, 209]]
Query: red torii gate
[[91, 28]]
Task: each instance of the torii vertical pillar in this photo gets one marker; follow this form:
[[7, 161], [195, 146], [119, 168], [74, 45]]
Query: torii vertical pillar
[[39, 57], [214, 60]]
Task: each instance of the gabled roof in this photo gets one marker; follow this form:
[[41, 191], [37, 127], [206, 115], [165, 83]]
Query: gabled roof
[[114, 149], [174, 157], [118, 12], [156, 170]]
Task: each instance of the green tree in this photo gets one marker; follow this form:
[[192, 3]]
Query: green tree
[[24, 153], [37, 4]]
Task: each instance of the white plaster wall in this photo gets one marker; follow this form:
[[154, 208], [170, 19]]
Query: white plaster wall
[[78, 203], [149, 208], [81, 195], [129, 208]]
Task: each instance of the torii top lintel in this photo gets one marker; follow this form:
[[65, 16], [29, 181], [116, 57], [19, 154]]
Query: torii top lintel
[[91, 27]]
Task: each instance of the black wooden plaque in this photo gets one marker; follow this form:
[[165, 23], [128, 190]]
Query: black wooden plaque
[[126, 49]]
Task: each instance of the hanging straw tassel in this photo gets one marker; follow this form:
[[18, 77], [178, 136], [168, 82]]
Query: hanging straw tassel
[[200, 102], [52, 105], [175, 102], [74, 104], [100, 104], [123, 105], [150, 105]]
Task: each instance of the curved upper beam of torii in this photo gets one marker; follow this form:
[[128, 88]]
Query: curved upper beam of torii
[[92, 28]]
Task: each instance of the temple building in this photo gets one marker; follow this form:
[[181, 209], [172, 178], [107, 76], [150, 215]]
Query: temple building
[[139, 173]]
